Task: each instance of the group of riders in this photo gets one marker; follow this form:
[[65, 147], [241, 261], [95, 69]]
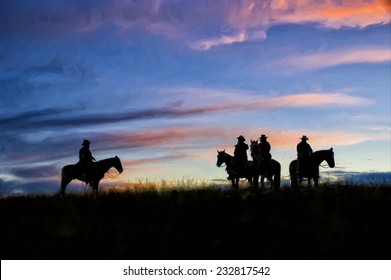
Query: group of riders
[[304, 153]]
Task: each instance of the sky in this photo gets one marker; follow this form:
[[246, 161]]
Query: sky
[[164, 84]]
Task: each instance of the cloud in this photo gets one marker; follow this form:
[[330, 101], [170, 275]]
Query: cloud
[[290, 138], [338, 57], [206, 44], [331, 13], [200, 24], [46, 171], [319, 99], [218, 101]]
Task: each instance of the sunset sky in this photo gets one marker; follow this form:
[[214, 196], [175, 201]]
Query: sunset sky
[[163, 84]]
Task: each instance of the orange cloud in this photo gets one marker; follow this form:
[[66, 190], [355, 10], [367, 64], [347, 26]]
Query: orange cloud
[[330, 13]]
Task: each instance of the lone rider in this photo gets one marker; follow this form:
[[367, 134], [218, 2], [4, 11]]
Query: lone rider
[[264, 148], [86, 160], [304, 153]]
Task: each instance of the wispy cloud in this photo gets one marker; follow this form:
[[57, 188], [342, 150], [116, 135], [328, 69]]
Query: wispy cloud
[[55, 119], [338, 57], [206, 44]]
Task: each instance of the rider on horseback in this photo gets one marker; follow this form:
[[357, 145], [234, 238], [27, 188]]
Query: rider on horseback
[[264, 149], [304, 154], [240, 153], [86, 160]]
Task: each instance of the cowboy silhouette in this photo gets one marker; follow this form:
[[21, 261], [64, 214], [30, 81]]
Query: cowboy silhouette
[[264, 148], [240, 152], [86, 160], [304, 153]]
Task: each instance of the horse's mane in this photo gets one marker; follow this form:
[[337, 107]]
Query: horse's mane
[[225, 153], [321, 152]]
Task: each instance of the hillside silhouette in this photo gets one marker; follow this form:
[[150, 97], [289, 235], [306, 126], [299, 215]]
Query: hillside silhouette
[[331, 222]]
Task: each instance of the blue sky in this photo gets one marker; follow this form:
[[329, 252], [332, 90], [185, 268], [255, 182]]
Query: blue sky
[[164, 84]]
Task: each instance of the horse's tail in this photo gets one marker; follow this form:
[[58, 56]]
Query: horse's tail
[[66, 178], [277, 175], [62, 187]]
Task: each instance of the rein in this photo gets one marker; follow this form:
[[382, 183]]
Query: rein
[[112, 176]]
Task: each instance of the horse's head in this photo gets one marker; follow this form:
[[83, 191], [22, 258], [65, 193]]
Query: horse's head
[[254, 147], [330, 158], [221, 158], [118, 164]]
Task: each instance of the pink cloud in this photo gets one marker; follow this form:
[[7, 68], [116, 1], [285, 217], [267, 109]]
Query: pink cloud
[[178, 138], [339, 57], [213, 100], [245, 102], [319, 99]]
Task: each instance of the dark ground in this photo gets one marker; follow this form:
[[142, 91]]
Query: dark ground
[[332, 222]]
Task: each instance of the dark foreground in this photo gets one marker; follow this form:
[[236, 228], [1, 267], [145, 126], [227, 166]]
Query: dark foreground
[[337, 222]]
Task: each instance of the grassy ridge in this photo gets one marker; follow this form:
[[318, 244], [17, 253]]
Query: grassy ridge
[[335, 222]]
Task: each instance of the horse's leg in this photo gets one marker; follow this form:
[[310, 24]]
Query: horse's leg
[[64, 182], [250, 181], [95, 185], [256, 181], [316, 177], [270, 179], [293, 178], [277, 175], [232, 181], [316, 182]]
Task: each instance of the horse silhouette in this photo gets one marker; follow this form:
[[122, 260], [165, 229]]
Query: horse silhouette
[[236, 171], [74, 171], [270, 169], [312, 171]]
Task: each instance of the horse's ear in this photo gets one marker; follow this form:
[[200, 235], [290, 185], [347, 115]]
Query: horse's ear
[[224, 151], [331, 149]]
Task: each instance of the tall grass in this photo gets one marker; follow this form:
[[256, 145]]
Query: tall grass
[[188, 219]]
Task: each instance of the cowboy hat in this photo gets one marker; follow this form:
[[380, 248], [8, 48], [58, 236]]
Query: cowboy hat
[[304, 138], [241, 138]]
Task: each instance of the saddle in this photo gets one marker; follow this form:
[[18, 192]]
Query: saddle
[[86, 171], [304, 167]]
